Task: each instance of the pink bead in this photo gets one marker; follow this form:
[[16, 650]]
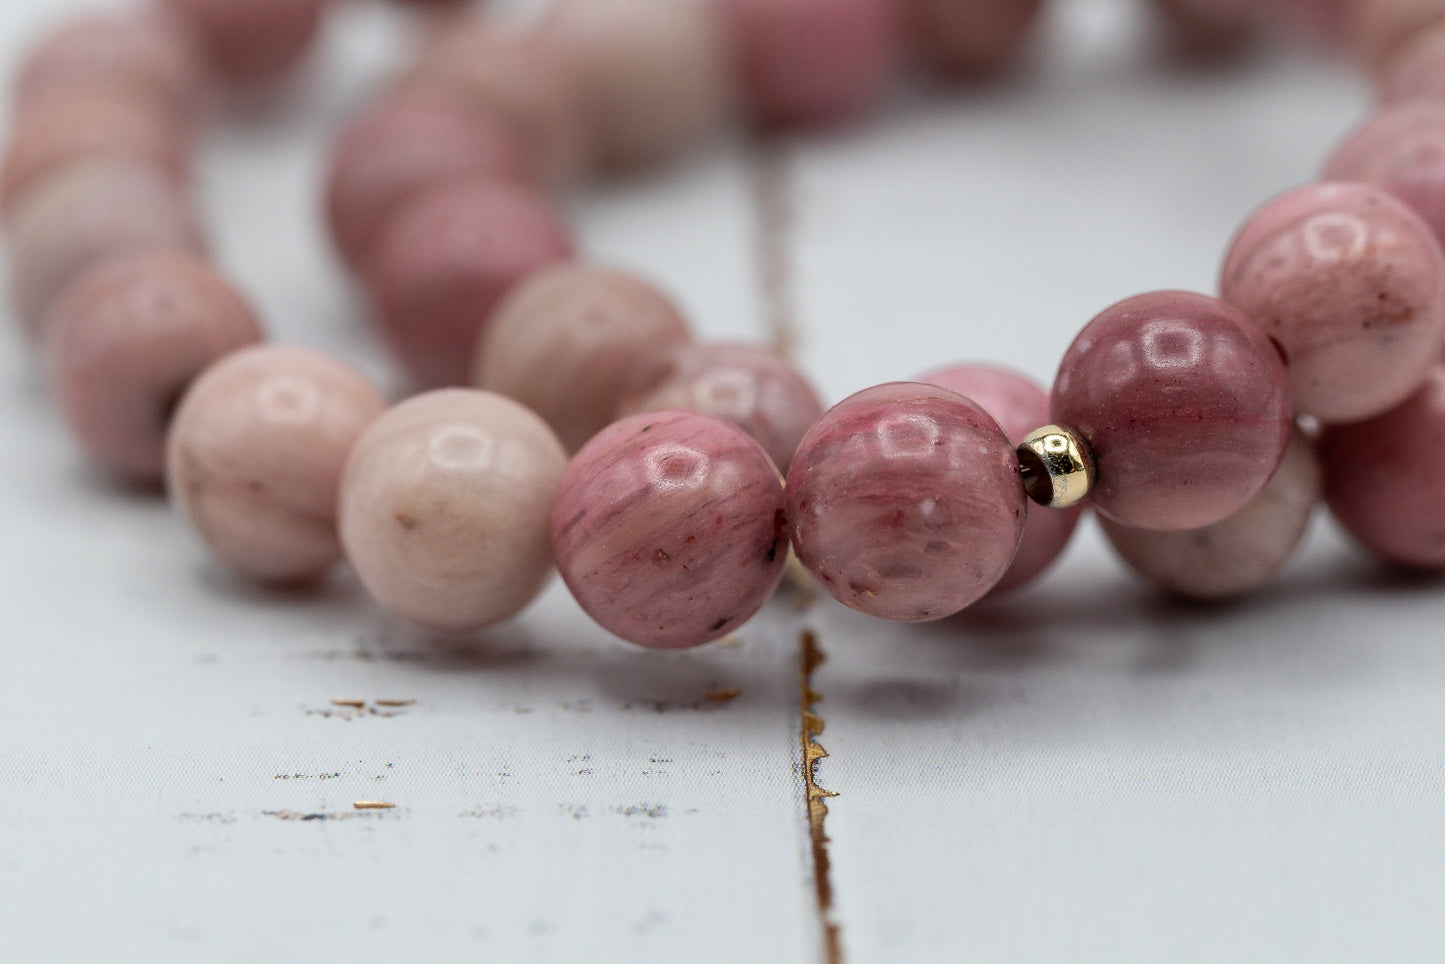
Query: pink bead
[[669, 529], [1401, 151], [84, 213], [255, 455], [1380, 28], [1185, 405], [126, 340], [72, 125], [753, 388], [1350, 284], [905, 502], [1240, 555], [447, 258], [970, 38], [399, 148], [1208, 27], [1385, 479], [1321, 22], [446, 505], [812, 62], [1417, 70], [570, 340], [1019, 406], [251, 41]]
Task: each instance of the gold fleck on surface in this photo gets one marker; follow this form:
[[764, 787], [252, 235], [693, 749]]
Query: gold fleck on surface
[[373, 805], [723, 695]]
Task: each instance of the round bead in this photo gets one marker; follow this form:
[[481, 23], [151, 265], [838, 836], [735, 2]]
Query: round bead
[[1321, 22], [751, 387], [251, 41], [88, 211], [570, 340], [1209, 27], [905, 502], [255, 454], [1241, 554], [653, 73], [1018, 405], [1350, 284], [1378, 29], [669, 529], [447, 258], [1185, 405], [399, 148], [971, 38], [1385, 478], [810, 62], [1401, 150], [125, 341], [1417, 71], [446, 503]]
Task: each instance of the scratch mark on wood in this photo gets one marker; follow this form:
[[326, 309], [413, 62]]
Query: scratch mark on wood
[[810, 658]]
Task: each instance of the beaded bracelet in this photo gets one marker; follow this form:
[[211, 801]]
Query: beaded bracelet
[[1203, 430]]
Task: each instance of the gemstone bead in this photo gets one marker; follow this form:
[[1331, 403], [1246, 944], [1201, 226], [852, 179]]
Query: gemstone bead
[[1185, 405], [255, 454], [972, 38], [251, 41], [1417, 70], [1241, 554], [1379, 29], [1350, 284], [445, 508], [1019, 406], [126, 340], [1400, 150], [1207, 27], [905, 502], [669, 529]]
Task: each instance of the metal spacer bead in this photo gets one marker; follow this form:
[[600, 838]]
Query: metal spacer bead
[[1057, 467]]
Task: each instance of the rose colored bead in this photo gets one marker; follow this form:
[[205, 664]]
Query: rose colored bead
[[124, 342], [810, 62], [1209, 27], [669, 529], [1378, 29], [255, 454], [1350, 284], [400, 147], [1019, 406], [88, 211], [570, 340], [1322, 22], [143, 53], [251, 41], [970, 38], [905, 502], [653, 73], [1385, 478], [1240, 555], [753, 388], [1402, 151], [67, 126], [446, 505], [1417, 71], [447, 258], [1185, 405]]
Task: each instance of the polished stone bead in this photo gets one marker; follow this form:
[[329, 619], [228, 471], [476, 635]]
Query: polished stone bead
[[251, 41], [972, 38], [1379, 29], [1400, 150], [1417, 70], [1210, 27]]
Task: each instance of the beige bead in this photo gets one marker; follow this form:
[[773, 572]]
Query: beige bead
[[446, 505], [1380, 28], [655, 73], [255, 456], [84, 213], [1241, 554], [572, 340]]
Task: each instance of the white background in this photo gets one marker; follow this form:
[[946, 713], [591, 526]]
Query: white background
[[1083, 774]]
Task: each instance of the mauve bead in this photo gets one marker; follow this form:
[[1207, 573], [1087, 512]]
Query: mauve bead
[[653, 74], [571, 339], [1350, 284], [1321, 22], [970, 38], [1207, 27], [905, 502], [811, 62], [67, 126], [255, 454], [1019, 406], [1378, 29], [1241, 554], [124, 342], [446, 259], [1385, 478], [753, 388], [669, 529], [251, 41], [84, 213], [1185, 405], [400, 147], [1417, 70], [1400, 150], [446, 505]]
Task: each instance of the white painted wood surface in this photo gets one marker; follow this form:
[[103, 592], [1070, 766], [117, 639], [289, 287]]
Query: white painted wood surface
[[1082, 774]]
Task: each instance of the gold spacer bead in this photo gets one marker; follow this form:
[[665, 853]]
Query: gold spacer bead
[[1057, 467]]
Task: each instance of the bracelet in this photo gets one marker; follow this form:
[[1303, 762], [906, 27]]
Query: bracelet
[[1203, 430]]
